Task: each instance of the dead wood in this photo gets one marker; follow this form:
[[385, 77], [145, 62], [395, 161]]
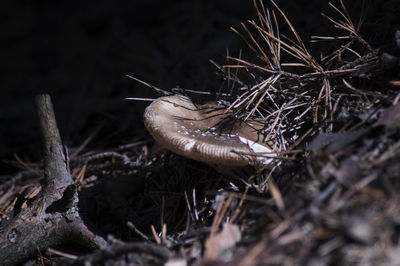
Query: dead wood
[[116, 250], [52, 218]]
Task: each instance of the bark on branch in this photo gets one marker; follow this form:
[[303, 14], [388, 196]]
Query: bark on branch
[[52, 218]]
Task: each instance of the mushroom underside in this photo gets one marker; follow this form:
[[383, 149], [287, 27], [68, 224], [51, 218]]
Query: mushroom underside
[[178, 125]]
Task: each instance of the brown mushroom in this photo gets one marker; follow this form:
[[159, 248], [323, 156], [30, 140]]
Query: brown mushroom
[[197, 132]]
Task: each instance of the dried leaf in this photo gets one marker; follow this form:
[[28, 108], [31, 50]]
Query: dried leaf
[[220, 242]]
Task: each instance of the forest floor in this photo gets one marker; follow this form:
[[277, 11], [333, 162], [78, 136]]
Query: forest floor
[[331, 105]]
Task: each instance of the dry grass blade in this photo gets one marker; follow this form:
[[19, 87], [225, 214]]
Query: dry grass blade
[[300, 42], [268, 30], [276, 194], [295, 50], [158, 90], [346, 23], [264, 57], [266, 23], [220, 213], [262, 92]]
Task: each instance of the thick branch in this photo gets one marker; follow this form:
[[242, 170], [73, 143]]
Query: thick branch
[[53, 218], [56, 169]]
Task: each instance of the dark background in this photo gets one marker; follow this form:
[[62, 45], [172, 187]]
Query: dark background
[[80, 52]]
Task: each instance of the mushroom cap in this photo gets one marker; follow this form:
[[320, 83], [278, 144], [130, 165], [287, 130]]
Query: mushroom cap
[[193, 131]]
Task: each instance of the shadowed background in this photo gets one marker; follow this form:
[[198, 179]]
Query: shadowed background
[[80, 52]]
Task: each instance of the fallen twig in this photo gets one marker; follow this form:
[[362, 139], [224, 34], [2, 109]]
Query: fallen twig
[[52, 218]]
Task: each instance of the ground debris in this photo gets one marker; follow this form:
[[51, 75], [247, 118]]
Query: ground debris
[[330, 198]]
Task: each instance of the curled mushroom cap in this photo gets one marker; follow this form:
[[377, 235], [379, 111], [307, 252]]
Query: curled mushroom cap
[[193, 131]]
